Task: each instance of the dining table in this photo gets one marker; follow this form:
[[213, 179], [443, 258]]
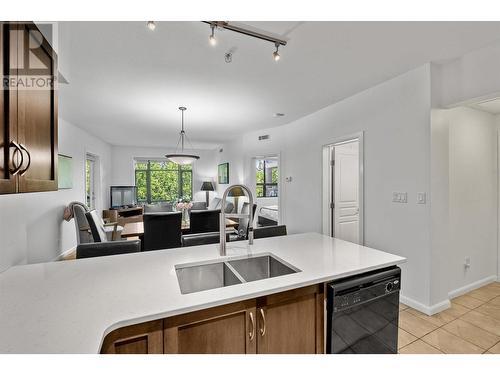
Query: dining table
[[136, 229]]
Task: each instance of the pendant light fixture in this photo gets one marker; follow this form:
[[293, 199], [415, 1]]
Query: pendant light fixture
[[180, 157]]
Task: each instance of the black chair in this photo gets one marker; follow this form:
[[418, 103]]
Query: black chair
[[204, 221], [162, 230], [201, 239], [100, 249], [270, 231], [101, 245]]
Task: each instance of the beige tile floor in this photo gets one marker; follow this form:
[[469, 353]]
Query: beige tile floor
[[470, 326]]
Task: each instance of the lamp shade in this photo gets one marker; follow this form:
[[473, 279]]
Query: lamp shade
[[236, 192], [207, 186]]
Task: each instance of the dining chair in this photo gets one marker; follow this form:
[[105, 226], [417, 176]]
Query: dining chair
[[204, 221], [162, 230], [101, 245], [269, 231]]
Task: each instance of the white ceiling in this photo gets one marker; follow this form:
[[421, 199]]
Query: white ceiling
[[492, 106], [126, 82]]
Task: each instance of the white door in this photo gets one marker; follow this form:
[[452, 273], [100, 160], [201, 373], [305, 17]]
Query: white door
[[346, 191]]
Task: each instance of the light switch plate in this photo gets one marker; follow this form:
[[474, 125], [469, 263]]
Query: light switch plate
[[421, 198], [400, 197]]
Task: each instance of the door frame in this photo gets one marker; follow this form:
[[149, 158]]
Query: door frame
[[327, 184], [94, 178], [252, 181]]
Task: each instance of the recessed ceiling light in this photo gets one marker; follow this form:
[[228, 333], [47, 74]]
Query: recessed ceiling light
[[278, 114], [151, 25]]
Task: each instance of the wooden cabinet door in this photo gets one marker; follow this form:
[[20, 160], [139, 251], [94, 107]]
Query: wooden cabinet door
[[291, 322], [37, 111], [8, 111], [143, 338], [228, 329]]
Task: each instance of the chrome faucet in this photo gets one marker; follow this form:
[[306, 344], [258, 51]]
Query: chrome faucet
[[223, 216]]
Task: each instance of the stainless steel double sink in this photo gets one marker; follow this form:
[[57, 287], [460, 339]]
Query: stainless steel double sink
[[195, 277]]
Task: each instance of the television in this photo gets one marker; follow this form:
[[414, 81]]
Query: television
[[123, 196]]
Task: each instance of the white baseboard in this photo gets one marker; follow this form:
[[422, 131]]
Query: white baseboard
[[443, 305], [64, 254], [428, 310], [467, 288]]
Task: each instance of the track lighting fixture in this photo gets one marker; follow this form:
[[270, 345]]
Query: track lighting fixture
[[254, 34], [151, 25], [276, 55], [211, 38]]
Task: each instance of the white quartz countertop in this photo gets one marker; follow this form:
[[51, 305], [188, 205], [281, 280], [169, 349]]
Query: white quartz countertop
[[70, 306]]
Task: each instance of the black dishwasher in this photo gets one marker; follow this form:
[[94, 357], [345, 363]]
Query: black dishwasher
[[363, 313]]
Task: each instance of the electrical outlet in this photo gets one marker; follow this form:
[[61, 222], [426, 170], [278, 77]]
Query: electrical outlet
[[467, 262]]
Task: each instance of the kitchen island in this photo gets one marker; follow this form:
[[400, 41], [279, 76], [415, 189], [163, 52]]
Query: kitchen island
[[71, 306]]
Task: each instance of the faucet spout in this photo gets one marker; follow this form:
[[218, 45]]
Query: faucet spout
[[223, 217]]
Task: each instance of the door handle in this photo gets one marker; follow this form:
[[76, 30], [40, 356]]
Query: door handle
[[17, 149], [263, 328], [251, 334], [23, 172]]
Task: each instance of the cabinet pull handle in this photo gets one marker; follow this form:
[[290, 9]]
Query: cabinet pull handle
[[251, 334], [263, 328], [16, 169], [23, 172]]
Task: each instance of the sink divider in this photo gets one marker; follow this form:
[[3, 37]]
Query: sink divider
[[236, 273]]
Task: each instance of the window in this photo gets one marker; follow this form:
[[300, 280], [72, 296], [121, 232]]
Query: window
[[266, 178], [162, 181]]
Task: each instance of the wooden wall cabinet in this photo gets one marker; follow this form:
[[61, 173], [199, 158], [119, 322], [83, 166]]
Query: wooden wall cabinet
[[28, 110], [291, 322]]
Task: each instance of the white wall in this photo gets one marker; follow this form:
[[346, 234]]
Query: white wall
[[31, 225], [395, 118], [465, 209], [473, 75], [204, 169]]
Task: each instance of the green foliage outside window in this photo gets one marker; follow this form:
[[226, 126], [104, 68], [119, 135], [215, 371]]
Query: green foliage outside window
[[163, 181], [266, 179]]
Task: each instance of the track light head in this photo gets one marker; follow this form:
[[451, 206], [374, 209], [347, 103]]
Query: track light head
[[211, 38], [276, 55], [151, 25]]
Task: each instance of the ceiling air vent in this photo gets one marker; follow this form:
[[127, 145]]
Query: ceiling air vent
[[263, 137]]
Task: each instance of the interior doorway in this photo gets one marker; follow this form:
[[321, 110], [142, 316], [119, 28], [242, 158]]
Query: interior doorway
[[343, 189], [266, 176]]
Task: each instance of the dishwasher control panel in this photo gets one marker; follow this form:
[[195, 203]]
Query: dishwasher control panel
[[358, 296]]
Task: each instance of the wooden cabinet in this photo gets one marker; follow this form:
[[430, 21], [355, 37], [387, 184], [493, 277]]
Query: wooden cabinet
[[28, 111], [228, 329], [291, 322], [144, 338]]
